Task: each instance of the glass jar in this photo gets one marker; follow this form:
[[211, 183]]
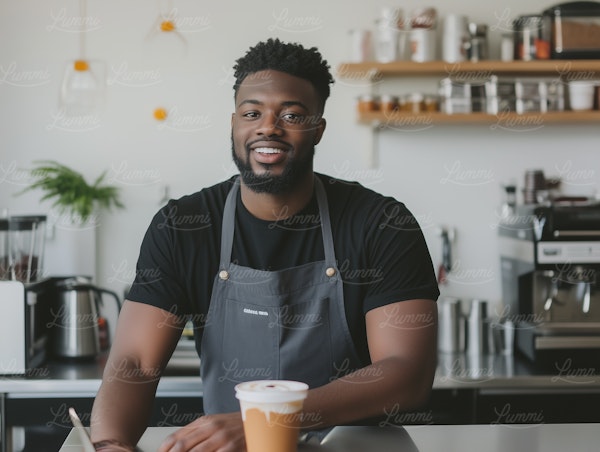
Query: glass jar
[[415, 103], [531, 38], [4, 273], [367, 103], [431, 103], [388, 103]]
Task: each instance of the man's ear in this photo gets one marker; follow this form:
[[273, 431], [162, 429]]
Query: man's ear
[[319, 130]]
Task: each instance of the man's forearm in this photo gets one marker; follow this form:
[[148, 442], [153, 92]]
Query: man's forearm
[[388, 386], [124, 402]]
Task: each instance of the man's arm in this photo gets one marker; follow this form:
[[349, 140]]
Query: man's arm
[[144, 341], [402, 340]]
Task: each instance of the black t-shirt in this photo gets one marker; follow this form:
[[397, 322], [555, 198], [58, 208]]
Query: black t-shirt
[[380, 251]]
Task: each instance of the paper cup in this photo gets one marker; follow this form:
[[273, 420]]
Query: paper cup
[[271, 411]]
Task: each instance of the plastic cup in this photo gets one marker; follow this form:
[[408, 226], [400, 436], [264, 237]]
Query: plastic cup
[[271, 411]]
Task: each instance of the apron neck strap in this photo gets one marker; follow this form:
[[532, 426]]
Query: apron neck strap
[[325, 222], [227, 230]]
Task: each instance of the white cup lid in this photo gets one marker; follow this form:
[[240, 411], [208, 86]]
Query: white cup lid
[[271, 391]]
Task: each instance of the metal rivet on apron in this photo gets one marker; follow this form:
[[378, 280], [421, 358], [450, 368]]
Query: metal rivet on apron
[[224, 275], [330, 271]]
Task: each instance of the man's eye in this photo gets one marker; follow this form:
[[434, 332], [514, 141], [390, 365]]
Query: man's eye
[[293, 118], [250, 115]]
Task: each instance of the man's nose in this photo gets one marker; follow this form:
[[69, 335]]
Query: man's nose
[[269, 125]]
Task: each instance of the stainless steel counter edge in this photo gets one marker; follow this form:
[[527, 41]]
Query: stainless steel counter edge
[[192, 386], [520, 382], [167, 386], [454, 371]]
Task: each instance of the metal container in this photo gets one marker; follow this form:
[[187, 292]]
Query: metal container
[[480, 338], [423, 44], [451, 329]]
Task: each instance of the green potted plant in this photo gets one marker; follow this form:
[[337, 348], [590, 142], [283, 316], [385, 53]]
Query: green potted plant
[[71, 194]]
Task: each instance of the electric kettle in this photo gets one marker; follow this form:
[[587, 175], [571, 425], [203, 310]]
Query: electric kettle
[[75, 324]]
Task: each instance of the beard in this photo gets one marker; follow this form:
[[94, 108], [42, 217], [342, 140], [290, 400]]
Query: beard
[[293, 173]]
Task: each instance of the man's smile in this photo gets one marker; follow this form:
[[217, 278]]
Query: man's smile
[[268, 150], [268, 155]]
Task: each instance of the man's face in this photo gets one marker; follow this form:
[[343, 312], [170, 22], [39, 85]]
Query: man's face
[[275, 126]]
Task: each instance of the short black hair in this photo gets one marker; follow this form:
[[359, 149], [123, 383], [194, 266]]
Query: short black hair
[[291, 58]]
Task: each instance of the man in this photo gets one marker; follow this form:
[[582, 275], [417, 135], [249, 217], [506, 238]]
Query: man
[[287, 274]]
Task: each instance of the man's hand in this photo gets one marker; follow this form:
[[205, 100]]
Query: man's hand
[[217, 432]]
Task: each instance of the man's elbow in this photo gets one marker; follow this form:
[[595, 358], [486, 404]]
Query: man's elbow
[[416, 393], [420, 396]]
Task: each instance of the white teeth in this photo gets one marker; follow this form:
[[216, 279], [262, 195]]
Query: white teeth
[[268, 151]]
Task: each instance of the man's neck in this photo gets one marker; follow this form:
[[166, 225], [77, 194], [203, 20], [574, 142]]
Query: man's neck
[[267, 206]]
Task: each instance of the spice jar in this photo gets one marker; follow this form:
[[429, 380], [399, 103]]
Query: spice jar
[[431, 103], [367, 103], [388, 103], [415, 103]]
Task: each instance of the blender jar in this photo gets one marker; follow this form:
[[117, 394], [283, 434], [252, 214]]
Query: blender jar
[[4, 273], [26, 241]]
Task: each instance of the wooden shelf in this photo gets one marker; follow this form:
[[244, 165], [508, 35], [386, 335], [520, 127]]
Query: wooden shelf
[[591, 68], [526, 120], [566, 69]]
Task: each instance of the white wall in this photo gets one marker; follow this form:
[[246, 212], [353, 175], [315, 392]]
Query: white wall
[[447, 175]]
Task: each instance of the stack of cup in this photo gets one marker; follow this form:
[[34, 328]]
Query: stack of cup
[[535, 182], [272, 413]]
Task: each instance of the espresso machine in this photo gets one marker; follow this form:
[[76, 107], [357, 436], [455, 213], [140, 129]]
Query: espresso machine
[[550, 265]]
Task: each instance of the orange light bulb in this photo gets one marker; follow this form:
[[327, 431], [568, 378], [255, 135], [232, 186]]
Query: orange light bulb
[[160, 114], [81, 65], [167, 25]]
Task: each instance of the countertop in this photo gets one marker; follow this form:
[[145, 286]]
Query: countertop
[[459, 370], [497, 371], [82, 378], [434, 438]]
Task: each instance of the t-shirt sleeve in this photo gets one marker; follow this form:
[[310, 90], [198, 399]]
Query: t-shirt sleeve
[[157, 276], [397, 251]]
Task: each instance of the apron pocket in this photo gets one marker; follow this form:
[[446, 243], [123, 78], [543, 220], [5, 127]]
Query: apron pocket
[[305, 350], [249, 349]]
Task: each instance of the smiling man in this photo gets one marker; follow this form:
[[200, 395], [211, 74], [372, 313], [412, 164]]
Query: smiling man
[[286, 274]]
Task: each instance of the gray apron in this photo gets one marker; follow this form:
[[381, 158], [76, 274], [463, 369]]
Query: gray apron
[[262, 325]]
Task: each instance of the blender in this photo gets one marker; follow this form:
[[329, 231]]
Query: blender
[[4, 273], [26, 242]]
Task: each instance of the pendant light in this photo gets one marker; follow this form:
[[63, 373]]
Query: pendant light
[[164, 36], [84, 81]]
